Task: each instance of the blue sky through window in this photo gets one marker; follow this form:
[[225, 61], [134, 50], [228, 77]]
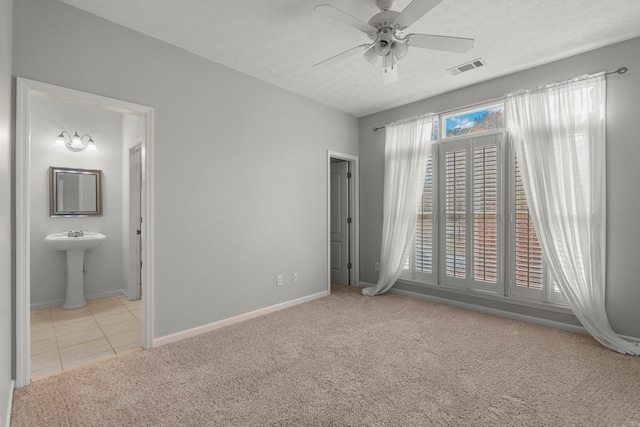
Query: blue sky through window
[[475, 121]]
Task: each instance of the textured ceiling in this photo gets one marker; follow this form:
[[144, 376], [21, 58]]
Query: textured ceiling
[[277, 41]]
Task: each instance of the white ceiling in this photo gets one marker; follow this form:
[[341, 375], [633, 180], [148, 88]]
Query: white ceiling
[[278, 41]]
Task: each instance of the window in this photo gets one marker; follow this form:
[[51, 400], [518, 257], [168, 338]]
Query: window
[[472, 202], [485, 213], [529, 277], [469, 122], [421, 264], [461, 239], [455, 178], [527, 251], [424, 225]]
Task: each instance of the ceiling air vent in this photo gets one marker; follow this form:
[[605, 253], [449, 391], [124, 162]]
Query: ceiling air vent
[[476, 63]]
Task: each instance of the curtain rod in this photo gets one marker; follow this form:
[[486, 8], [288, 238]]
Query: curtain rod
[[620, 70]]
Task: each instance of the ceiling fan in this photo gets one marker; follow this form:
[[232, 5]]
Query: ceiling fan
[[386, 30]]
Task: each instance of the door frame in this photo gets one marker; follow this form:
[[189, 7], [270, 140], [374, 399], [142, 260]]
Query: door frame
[[26, 90], [354, 206]]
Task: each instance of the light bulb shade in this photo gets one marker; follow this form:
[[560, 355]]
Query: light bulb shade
[[91, 146], [76, 142], [371, 55], [399, 50], [60, 141]]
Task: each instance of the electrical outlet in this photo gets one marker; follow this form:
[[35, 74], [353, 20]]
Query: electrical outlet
[[279, 280], [295, 276], [377, 266]]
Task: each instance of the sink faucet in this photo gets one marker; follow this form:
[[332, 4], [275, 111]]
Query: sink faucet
[[75, 233]]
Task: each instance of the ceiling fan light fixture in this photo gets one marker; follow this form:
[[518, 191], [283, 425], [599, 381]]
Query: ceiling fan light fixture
[[371, 55], [382, 47], [399, 50]]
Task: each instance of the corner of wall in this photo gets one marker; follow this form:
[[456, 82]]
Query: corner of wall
[[5, 415], [6, 249]]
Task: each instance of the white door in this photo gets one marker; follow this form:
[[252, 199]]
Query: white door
[[135, 219], [340, 224]]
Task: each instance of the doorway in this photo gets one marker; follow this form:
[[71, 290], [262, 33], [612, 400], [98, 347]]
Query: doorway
[[30, 93], [134, 285], [342, 189]]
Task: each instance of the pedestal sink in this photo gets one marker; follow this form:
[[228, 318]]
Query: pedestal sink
[[75, 244]]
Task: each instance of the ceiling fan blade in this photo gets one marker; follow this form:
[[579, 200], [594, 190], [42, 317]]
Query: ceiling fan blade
[[344, 17], [339, 57], [416, 10], [446, 43]]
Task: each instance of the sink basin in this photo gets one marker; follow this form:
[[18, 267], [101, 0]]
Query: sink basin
[[75, 248], [62, 242]]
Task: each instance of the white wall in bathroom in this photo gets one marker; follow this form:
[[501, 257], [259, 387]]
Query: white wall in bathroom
[[103, 265]]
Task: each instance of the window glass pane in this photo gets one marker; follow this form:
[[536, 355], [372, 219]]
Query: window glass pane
[[528, 254], [490, 118], [485, 213], [424, 227], [456, 220], [434, 130]]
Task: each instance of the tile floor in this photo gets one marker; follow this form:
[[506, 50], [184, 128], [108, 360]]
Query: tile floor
[[62, 339]]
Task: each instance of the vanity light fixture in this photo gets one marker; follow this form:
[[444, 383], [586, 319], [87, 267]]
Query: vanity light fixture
[[75, 143]]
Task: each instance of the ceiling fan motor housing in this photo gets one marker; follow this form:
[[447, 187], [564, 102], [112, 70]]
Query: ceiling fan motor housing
[[387, 37], [383, 20], [384, 4]]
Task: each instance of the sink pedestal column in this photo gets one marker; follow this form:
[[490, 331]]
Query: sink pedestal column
[[75, 282]]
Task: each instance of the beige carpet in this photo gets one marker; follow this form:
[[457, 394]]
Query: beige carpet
[[349, 360]]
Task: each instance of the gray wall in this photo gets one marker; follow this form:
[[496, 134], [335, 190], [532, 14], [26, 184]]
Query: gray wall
[[103, 265], [240, 172], [6, 257], [623, 173]]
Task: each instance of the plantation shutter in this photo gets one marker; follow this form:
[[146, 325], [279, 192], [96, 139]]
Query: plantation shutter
[[472, 207], [528, 253], [423, 251], [456, 213], [485, 213]]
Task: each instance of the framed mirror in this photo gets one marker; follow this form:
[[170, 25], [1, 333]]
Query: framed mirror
[[75, 192]]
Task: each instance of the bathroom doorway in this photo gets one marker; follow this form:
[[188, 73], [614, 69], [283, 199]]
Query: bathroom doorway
[[342, 219], [135, 222], [118, 319]]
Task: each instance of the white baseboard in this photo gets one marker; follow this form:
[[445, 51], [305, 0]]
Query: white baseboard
[[58, 303], [46, 304], [498, 312], [494, 311], [232, 320], [629, 338], [5, 420]]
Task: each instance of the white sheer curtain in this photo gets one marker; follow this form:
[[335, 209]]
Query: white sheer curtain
[[559, 136], [407, 146]]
